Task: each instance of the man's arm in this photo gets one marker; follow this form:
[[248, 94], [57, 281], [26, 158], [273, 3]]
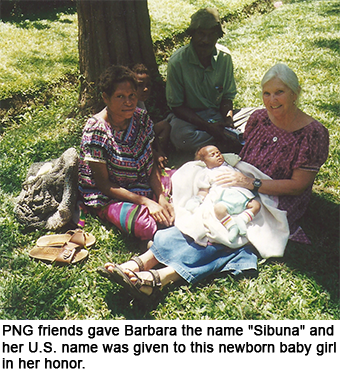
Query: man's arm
[[215, 129], [187, 114], [226, 110]]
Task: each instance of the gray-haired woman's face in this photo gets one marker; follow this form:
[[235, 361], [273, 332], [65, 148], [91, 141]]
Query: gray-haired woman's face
[[278, 98]]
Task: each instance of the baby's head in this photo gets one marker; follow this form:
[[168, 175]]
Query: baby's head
[[211, 156]]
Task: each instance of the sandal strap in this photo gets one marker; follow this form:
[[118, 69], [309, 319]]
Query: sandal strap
[[78, 236], [139, 262], [67, 253], [156, 278], [155, 282]]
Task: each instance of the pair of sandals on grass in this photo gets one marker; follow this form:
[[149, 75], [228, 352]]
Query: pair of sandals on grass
[[63, 249]]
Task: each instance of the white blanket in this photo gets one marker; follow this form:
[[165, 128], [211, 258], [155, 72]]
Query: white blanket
[[268, 232]]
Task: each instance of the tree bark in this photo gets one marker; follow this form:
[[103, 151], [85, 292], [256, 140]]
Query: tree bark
[[111, 33]]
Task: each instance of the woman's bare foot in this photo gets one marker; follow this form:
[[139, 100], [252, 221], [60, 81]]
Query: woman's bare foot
[[129, 265]]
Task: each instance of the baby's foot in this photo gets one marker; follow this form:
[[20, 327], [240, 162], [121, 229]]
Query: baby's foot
[[233, 233]]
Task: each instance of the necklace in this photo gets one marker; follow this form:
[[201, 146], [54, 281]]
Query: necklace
[[118, 127], [288, 127]]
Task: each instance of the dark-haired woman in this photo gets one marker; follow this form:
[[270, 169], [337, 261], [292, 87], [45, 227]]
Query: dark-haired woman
[[117, 174]]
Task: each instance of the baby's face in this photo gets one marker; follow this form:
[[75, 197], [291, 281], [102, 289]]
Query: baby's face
[[212, 157]]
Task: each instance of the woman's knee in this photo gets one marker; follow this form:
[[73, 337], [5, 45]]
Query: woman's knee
[[132, 219]]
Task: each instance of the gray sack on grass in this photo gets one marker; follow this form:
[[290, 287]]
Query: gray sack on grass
[[48, 200]]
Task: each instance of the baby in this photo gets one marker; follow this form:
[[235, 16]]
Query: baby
[[229, 201]]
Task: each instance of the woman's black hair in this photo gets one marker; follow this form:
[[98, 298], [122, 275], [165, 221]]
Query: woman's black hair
[[112, 76]]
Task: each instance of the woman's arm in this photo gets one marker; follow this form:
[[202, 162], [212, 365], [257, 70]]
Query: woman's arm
[[107, 187], [296, 185], [156, 186]]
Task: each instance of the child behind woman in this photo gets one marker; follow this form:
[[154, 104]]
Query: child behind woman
[[161, 128]]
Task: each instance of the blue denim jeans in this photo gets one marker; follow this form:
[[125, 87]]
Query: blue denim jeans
[[194, 262]]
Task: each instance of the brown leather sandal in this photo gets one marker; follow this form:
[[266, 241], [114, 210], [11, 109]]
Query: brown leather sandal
[[118, 276], [77, 236], [68, 254]]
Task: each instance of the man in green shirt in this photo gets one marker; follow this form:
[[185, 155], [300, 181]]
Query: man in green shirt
[[200, 87]]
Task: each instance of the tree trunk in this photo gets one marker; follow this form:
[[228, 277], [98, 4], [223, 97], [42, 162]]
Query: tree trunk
[[111, 33]]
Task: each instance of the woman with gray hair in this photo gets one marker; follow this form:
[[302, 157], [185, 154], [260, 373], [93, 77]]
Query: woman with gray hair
[[286, 144]]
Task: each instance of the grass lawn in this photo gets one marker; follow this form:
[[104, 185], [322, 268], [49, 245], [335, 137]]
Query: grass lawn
[[39, 52], [39, 94]]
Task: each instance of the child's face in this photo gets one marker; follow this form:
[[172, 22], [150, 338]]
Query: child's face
[[212, 157], [144, 85]]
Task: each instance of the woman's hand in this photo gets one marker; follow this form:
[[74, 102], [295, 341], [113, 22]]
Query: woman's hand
[[162, 212], [234, 178], [168, 207]]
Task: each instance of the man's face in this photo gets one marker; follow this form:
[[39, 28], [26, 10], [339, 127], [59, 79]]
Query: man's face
[[204, 41]]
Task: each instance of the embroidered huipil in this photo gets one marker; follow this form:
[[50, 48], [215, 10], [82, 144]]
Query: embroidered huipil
[[126, 153], [277, 153]]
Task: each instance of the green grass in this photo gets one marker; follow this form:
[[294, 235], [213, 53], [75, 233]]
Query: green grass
[[40, 120], [39, 52], [172, 17]]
